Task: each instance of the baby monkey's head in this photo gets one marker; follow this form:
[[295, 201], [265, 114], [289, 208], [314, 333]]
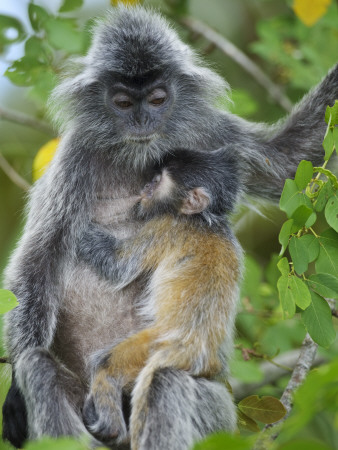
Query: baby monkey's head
[[192, 182], [164, 194]]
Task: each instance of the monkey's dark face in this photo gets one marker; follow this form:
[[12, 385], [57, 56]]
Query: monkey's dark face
[[139, 106]]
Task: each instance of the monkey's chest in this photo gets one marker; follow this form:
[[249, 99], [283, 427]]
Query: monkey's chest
[[93, 315]]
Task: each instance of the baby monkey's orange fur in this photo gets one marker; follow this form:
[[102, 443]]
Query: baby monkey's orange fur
[[190, 301], [192, 287]]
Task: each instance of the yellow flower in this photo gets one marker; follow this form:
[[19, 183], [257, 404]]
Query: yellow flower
[[43, 158], [125, 2], [310, 11]]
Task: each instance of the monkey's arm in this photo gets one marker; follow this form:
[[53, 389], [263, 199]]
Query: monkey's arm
[[56, 212], [272, 153], [115, 259]]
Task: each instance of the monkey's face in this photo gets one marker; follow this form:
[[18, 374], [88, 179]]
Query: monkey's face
[[139, 107]]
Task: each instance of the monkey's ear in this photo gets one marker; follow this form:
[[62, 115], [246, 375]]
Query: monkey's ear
[[196, 201]]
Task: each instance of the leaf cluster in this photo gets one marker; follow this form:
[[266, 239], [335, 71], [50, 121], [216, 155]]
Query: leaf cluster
[[296, 50], [52, 39], [312, 192]]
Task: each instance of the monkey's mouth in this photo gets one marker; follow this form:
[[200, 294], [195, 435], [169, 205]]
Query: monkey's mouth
[[143, 139]]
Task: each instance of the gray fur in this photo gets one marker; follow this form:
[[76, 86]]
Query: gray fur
[[66, 308], [53, 395], [193, 408]]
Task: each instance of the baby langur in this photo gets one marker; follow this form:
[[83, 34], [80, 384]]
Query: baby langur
[[194, 265]]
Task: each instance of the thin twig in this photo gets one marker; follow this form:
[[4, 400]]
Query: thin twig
[[13, 174], [25, 120], [271, 373], [229, 49], [305, 360]]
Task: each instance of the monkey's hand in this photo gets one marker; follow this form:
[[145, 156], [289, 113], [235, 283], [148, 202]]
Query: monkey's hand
[[103, 413], [97, 248], [14, 428]]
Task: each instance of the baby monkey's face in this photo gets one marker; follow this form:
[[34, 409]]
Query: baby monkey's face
[[165, 195], [160, 188], [149, 189]]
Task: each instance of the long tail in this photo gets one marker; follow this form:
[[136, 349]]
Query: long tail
[[273, 153], [140, 398]]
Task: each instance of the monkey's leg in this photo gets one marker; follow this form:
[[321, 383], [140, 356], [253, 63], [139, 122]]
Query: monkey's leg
[[180, 410], [53, 395], [114, 371]]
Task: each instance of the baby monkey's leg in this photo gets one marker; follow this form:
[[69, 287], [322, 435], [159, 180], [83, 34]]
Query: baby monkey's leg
[[115, 371]]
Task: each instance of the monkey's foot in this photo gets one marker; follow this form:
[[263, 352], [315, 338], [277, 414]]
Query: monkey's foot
[[104, 419]]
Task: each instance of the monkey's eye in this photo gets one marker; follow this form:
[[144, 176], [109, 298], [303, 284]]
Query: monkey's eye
[[157, 97], [122, 101]]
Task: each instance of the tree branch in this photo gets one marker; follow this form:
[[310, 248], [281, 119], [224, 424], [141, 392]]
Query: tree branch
[[233, 52], [271, 373], [13, 174], [23, 119], [305, 360]]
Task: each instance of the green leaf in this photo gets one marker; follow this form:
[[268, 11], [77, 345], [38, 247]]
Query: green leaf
[[293, 291], [292, 198], [221, 440], [286, 298], [302, 444], [302, 215], [284, 235], [246, 422], [317, 319], [25, 71], [8, 301], [283, 266], [311, 220], [70, 5], [36, 49], [325, 284], [333, 112], [266, 409], [41, 90], [329, 175], [331, 212], [299, 255], [318, 393], [11, 30], [312, 244], [62, 443], [38, 16], [63, 34], [328, 144], [304, 174], [335, 138], [327, 261], [299, 291], [324, 194]]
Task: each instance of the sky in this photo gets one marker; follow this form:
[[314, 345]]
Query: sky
[[11, 96]]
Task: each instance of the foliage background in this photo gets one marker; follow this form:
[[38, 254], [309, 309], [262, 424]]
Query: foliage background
[[295, 56]]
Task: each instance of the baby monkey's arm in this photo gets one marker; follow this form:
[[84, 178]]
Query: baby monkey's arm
[[115, 259]]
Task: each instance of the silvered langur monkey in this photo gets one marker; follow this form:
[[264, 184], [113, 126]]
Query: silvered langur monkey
[[138, 93], [193, 262]]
